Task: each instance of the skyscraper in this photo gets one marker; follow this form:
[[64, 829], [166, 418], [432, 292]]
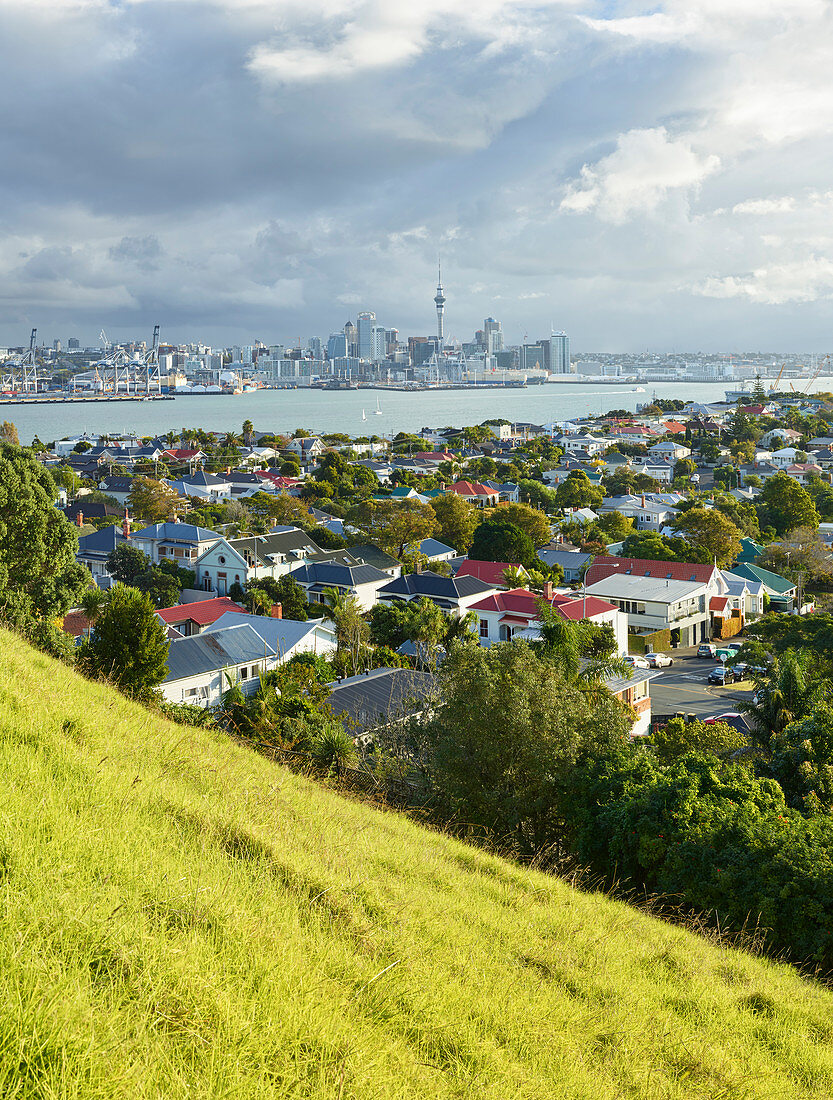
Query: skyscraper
[[366, 322], [378, 344], [493, 335], [337, 345], [439, 302], [560, 353]]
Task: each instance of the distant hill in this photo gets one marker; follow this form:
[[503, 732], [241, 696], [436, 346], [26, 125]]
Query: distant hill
[[181, 918]]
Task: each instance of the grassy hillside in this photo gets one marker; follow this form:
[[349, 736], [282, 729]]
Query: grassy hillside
[[181, 918]]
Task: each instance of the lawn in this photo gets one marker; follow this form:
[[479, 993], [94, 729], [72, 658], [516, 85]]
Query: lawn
[[179, 917]]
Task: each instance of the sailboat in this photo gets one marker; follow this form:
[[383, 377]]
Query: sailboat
[[364, 415], [378, 408]]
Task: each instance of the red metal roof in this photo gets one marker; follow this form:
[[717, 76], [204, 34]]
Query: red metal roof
[[604, 567], [718, 603], [471, 489], [202, 612], [489, 571], [519, 604], [75, 623]]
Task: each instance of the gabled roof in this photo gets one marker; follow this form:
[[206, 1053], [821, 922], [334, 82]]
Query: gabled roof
[[280, 635], [100, 542], [202, 612], [368, 554], [367, 701], [765, 576], [324, 573], [520, 604], [604, 567], [489, 571], [432, 585], [471, 489], [177, 532], [433, 547], [213, 651]]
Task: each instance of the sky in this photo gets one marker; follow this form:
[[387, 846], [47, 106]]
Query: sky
[[643, 175]]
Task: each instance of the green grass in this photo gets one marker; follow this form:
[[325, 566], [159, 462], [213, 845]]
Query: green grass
[[181, 918]]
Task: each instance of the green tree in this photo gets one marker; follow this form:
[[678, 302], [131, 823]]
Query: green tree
[[152, 500], [620, 482], [710, 531], [352, 630], [285, 591], [677, 738], [8, 433], [531, 521], [508, 732], [39, 576], [614, 526], [785, 505], [684, 467], [651, 546], [397, 527], [162, 587], [129, 645], [802, 760], [457, 518], [497, 540], [578, 491], [125, 562]]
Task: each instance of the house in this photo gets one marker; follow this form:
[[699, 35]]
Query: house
[[306, 449], [491, 572], [635, 691], [780, 437], [203, 486], [475, 492], [504, 615], [368, 554], [653, 603], [745, 595], [95, 548], [781, 593], [786, 456], [670, 450], [285, 637], [572, 562], [508, 492], [454, 595], [661, 471], [590, 444], [80, 513], [434, 550], [201, 668], [192, 618], [378, 698], [230, 561], [802, 472], [362, 582], [179, 455], [182, 543], [649, 511], [117, 487]]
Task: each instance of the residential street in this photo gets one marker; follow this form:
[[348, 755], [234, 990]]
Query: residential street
[[683, 688]]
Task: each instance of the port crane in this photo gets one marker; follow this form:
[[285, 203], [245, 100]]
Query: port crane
[[116, 370], [23, 369]]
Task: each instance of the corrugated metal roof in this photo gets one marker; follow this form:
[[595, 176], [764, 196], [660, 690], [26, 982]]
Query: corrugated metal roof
[[210, 652]]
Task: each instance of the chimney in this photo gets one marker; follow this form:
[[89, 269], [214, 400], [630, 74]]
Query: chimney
[[643, 500], [79, 519], [549, 591], [228, 469], [418, 565], [442, 486], [277, 611], [125, 524]]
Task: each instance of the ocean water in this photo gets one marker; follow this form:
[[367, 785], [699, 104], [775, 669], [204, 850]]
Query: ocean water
[[282, 411]]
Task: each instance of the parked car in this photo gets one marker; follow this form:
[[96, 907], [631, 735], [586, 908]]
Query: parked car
[[735, 646], [722, 675], [707, 649], [658, 660], [636, 661]]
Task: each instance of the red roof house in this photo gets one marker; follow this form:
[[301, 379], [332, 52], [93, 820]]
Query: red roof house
[[475, 492], [603, 567], [505, 613], [192, 618], [489, 571]]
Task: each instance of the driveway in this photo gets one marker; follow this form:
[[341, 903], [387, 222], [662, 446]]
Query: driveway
[[683, 688]]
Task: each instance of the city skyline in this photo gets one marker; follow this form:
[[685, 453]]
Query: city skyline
[[621, 171]]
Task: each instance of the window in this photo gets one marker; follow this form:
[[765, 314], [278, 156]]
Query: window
[[484, 628], [244, 673]]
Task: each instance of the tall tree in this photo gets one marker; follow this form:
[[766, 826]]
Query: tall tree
[[785, 505], [457, 519], [39, 576], [709, 530], [153, 501], [129, 645], [126, 562], [8, 433], [497, 540], [397, 527], [530, 520]]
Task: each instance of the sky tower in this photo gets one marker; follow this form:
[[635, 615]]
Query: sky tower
[[439, 302]]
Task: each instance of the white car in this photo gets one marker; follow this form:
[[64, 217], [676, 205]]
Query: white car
[[659, 660], [636, 662]]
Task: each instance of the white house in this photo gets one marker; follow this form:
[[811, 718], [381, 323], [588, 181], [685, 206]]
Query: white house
[[202, 667], [454, 595], [503, 615], [647, 513], [203, 486], [362, 582], [653, 603], [182, 543], [285, 637], [230, 561], [670, 450]]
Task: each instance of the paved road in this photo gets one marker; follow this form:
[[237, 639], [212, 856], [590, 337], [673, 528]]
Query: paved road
[[683, 688]]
